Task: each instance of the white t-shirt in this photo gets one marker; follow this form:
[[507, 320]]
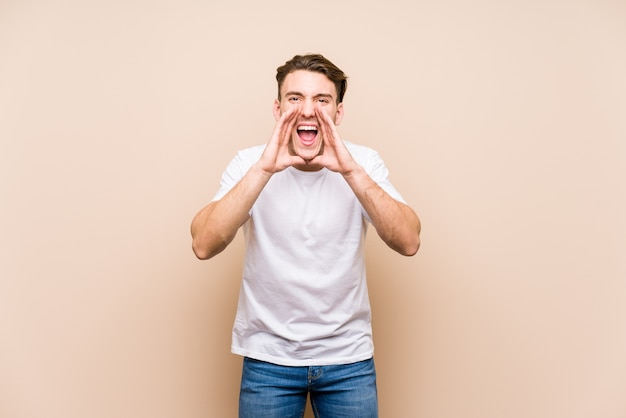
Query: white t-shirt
[[303, 299]]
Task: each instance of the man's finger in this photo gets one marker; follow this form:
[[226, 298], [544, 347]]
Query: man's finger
[[327, 125], [287, 123]]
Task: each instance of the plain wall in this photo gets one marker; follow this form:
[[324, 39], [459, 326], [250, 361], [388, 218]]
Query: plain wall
[[503, 124]]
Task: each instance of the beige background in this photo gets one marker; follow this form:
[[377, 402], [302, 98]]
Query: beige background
[[503, 123]]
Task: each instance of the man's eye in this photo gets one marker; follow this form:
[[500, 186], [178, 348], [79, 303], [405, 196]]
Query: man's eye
[[322, 100], [294, 99]]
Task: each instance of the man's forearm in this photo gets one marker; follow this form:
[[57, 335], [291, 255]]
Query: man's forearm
[[396, 223], [215, 226]]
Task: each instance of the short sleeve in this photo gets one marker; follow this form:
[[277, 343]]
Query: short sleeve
[[236, 169]]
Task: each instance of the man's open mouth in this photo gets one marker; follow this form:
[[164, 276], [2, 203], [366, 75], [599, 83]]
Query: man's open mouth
[[307, 134]]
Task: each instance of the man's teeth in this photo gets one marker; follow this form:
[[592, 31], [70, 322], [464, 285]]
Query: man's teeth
[[307, 128]]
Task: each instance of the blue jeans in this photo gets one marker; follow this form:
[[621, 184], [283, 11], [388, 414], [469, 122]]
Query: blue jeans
[[272, 391]]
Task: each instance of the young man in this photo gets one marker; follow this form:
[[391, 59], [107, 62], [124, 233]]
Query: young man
[[304, 201]]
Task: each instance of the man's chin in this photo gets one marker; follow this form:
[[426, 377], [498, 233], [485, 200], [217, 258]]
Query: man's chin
[[308, 154]]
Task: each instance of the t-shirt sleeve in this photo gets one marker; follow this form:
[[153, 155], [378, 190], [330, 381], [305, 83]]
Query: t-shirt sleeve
[[375, 167], [234, 172]]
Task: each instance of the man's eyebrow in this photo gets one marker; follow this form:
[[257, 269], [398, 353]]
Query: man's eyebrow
[[297, 93]]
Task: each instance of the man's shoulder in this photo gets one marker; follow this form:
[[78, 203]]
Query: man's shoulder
[[361, 153], [352, 146], [252, 151], [245, 157]]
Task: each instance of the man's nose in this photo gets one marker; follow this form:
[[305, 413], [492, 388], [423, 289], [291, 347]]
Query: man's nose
[[308, 108]]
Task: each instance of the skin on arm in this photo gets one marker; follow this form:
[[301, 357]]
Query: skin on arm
[[396, 223], [215, 225]]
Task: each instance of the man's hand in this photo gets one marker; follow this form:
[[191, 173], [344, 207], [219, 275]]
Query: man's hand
[[395, 222], [276, 156], [335, 156]]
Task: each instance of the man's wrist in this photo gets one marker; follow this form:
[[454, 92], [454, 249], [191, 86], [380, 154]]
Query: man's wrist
[[258, 171], [355, 173]]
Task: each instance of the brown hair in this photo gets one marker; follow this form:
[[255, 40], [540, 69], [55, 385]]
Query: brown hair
[[316, 63]]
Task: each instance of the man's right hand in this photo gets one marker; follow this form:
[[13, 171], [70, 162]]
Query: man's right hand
[[215, 226], [276, 156]]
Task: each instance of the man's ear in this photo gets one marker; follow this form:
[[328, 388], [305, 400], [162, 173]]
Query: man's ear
[[276, 109], [339, 114]]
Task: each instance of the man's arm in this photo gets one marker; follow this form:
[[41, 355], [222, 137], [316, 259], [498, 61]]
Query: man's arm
[[396, 223], [215, 226]]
